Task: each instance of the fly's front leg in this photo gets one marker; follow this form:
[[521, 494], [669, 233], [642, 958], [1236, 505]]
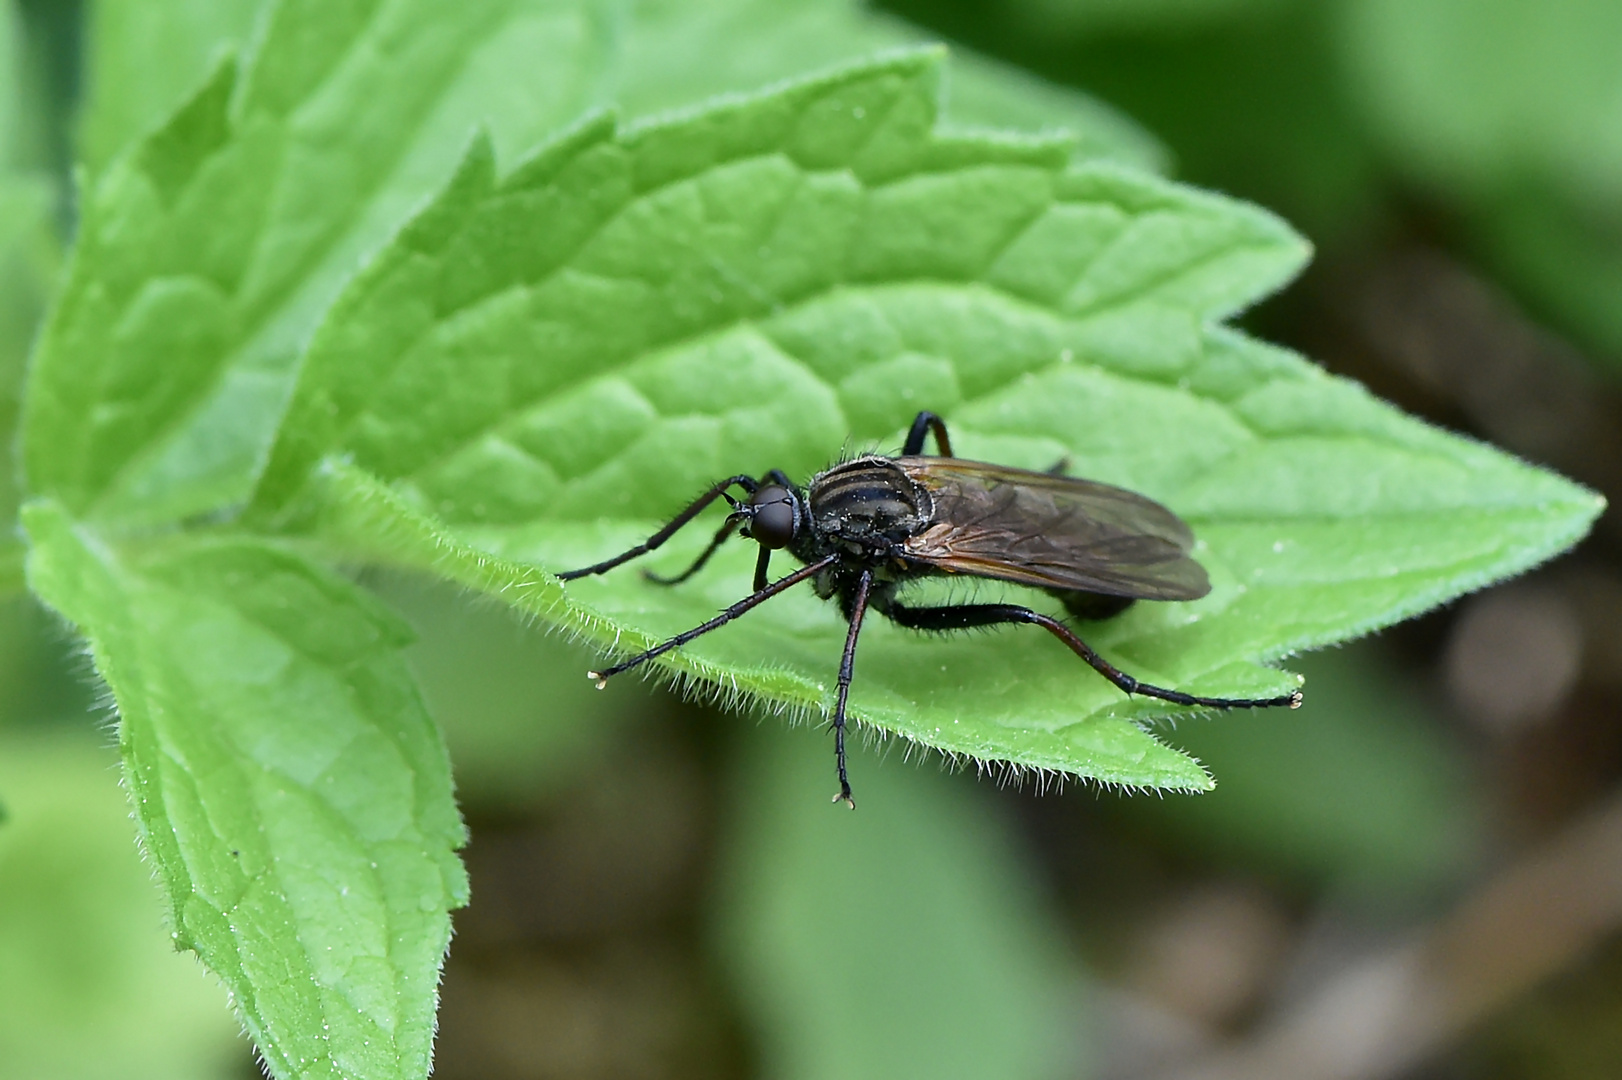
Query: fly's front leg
[[754, 600], [728, 529], [653, 542]]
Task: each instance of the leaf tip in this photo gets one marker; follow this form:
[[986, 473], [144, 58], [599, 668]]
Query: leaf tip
[[540, 166], [200, 126], [906, 60]]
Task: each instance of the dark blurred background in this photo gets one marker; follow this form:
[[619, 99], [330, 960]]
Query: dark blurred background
[[1418, 875]]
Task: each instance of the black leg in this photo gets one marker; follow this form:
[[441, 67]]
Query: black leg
[[763, 562], [847, 667], [964, 616], [923, 424], [652, 542], [726, 532], [602, 677]]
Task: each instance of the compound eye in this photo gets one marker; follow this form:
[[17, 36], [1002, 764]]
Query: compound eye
[[773, 519]]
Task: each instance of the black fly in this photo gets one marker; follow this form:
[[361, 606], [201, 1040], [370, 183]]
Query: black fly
[[866, 527]]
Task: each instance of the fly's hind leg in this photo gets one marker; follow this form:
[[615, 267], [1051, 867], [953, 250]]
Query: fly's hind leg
[[922, 425], [965, 616]]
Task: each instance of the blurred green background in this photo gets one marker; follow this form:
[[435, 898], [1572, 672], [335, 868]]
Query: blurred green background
[[660, 890]]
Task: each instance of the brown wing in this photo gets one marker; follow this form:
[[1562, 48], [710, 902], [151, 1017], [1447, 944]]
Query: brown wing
[[1054, 532]]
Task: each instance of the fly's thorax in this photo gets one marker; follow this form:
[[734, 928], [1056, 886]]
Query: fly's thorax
[[842, 580], [866, 506]]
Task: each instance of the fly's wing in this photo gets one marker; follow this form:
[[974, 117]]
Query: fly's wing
[[1054, 532]]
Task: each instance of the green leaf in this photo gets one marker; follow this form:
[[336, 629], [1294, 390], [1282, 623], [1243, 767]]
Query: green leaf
[[93, 987], [651, 55], [207, 254], [546, 366], [895, 942], [27, 259], [142, 59], [27, 263], [675, 52], [288, 785]]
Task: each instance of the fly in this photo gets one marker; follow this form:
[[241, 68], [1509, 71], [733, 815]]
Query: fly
[[866, 527]]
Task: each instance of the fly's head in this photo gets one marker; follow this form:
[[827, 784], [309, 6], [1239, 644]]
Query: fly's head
[[771, 516]]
